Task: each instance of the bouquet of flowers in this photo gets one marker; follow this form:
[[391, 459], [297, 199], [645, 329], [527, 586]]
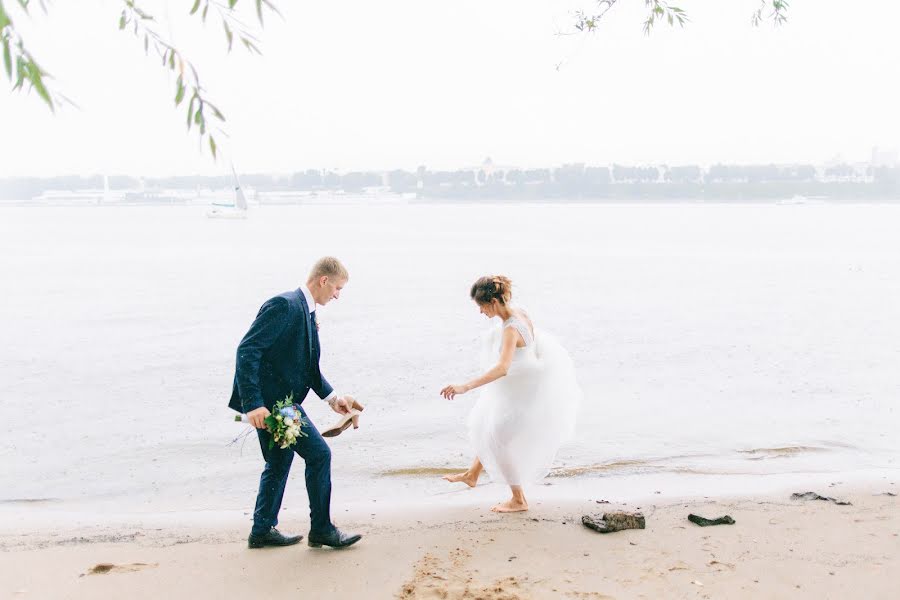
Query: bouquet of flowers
[[284, 423]]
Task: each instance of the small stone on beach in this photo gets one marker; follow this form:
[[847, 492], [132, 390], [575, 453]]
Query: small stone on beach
[[614, 521]]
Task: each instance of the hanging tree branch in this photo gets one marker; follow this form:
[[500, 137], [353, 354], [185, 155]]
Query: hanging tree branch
[[19, 64], [203, 116], [778, 12], [662, 11], [187, 82]]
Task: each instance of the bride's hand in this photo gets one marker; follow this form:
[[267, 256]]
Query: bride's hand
[[453, 390]]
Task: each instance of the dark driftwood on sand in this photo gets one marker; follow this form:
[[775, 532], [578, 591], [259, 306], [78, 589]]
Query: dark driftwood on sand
[[704, 522], [815, 496]]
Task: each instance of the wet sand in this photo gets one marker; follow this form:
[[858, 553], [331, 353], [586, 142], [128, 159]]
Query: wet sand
[[778, 548]]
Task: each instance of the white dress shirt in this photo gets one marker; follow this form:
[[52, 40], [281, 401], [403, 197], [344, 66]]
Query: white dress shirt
[[311, 303]]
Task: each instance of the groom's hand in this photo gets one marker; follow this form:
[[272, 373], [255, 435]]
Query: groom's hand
[[258, 416], [340, 405]]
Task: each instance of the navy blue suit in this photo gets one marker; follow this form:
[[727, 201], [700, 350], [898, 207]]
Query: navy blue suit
[[279, 356]]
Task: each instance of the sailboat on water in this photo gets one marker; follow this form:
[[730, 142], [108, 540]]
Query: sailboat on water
[[235, 210]]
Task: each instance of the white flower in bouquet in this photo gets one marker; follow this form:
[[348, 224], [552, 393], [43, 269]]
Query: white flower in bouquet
[[285, 424]]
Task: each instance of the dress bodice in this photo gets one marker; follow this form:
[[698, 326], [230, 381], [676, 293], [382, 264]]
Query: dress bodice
[[522, 327]]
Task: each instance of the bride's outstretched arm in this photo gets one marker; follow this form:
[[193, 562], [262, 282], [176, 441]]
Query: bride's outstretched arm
[[499, 370]]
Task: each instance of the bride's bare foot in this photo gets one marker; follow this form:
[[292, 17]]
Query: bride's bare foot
[[467, 478], [511, 505]]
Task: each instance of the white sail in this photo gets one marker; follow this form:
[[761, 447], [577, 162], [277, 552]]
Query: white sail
[[106, 194], [240, 202]]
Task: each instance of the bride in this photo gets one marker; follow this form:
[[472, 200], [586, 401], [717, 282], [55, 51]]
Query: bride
[[521, 419]]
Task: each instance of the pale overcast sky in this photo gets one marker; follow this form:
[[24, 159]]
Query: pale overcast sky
[[352, 84]]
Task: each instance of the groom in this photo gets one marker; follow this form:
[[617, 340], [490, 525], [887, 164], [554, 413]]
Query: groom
[[279, 356]]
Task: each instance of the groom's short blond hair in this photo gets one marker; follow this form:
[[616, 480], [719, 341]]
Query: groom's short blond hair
[[329, 266]]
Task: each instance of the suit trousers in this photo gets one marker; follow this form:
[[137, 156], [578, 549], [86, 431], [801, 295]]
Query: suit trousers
[[317, 455]]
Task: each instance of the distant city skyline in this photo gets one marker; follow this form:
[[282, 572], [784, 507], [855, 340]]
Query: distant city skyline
[[877, 157], [406, 83]]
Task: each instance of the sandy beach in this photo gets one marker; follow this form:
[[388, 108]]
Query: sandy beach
[[778, 548]]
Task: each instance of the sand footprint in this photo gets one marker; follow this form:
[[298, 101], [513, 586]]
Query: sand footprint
[[451, 580]]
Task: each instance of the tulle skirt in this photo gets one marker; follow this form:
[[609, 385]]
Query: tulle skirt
[[519, 421]]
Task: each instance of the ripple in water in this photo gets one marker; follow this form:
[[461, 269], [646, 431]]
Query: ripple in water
[[782, 452]]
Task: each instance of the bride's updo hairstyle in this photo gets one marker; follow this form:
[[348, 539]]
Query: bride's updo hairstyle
[[494, 287]]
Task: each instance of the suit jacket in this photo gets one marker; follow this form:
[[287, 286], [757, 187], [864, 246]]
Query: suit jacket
[[278, 356]]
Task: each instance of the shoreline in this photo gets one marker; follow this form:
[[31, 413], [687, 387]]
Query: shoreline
[[416, 490], [778, 547]]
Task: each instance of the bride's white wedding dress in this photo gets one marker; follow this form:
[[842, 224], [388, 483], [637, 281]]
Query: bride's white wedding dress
[[519, 421]]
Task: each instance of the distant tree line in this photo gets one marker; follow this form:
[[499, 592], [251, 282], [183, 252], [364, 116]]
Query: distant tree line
[[570, 181]]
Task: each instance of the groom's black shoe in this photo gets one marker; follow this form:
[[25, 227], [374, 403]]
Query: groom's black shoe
[[335, 539], [273, 537]]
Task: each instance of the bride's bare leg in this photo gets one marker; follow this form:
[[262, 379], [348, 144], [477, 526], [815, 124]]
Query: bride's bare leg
[[515, 504], [470, 477]]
